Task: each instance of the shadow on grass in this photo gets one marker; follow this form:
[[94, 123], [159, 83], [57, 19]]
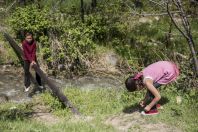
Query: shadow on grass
[[36, 90], [131, 109], [14, 114], [136, 107], [163, 101]]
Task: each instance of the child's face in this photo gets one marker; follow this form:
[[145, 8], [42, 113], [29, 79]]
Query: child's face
[[139, 85], [29, 38]]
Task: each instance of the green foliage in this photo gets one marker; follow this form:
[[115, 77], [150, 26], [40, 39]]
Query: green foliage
[[77, 42], [64, 39], [12, 111], [30, 18], [45, 48]]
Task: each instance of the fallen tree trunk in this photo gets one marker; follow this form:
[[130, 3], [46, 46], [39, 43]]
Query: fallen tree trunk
[[55, 90]]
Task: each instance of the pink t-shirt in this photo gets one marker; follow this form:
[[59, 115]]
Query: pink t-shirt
[[162, 72]]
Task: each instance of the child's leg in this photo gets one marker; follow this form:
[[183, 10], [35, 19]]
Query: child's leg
[[151, 96], [26, 74]]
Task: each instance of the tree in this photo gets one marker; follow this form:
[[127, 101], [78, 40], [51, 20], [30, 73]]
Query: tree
[[22, 2], [183, 28], [93, 4], [186, 32], [82, 10]]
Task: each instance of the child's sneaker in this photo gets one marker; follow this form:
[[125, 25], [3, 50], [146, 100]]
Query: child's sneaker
[[27, 89], [41, 87], [159, 107], [151, 112]]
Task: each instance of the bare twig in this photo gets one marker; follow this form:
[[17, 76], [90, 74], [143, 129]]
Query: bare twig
[[155, 14], [174, 22], [9, 7]]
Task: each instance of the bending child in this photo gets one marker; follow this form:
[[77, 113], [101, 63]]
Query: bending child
[[29, 57], [152, 77]]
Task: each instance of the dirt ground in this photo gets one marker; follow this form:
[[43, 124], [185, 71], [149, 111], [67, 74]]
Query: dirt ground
[[136, 122]]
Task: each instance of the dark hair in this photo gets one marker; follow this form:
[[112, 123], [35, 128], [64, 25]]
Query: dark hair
[[28, 34], [130, 84]]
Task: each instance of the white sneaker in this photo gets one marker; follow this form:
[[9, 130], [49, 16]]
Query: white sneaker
[[41, 87], [27, 89], [151, 112]]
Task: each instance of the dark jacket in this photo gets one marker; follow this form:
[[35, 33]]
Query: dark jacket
[[29, 51]]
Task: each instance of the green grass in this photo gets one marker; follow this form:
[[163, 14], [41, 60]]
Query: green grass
[[98, 104], [184, 115], [33, 126], [94, 102]]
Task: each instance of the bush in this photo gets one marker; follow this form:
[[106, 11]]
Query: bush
[[30, 18]]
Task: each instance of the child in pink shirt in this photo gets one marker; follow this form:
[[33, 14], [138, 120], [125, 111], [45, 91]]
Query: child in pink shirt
[[152, 77]]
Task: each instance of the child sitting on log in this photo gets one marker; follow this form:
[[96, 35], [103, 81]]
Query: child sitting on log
[[152, 77], [29, 57]]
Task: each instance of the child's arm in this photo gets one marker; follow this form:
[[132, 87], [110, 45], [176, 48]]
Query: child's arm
[[154, 91], [33, 56]]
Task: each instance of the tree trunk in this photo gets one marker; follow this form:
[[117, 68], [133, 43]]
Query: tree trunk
[[189, 37], [22, 2], [194, 54], [186, 32], [93, 4], [82, 10]]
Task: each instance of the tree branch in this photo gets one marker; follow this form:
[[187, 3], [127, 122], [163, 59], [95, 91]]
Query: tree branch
[[172, 19]]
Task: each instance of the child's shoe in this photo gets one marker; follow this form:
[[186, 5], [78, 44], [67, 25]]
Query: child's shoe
[[159, 107], [41, 87], [26, 89], [151, 112]]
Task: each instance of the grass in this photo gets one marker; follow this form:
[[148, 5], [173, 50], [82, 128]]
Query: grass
[[184, 115], [99, 104]]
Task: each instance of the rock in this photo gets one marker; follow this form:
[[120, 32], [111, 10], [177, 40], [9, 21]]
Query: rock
[[157, 18], [1, 83], [13, 107], [52, 72], [178, 99], [145, 20], [111, 59], [6, 68], [3, 98], [61, 67]]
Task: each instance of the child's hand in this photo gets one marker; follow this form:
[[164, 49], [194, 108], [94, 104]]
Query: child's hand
[[147, 108], [142, 104], [33, 63]]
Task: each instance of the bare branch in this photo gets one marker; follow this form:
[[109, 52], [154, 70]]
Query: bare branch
[[9, 7], [172, 19], [184, 23], [155, 14]]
